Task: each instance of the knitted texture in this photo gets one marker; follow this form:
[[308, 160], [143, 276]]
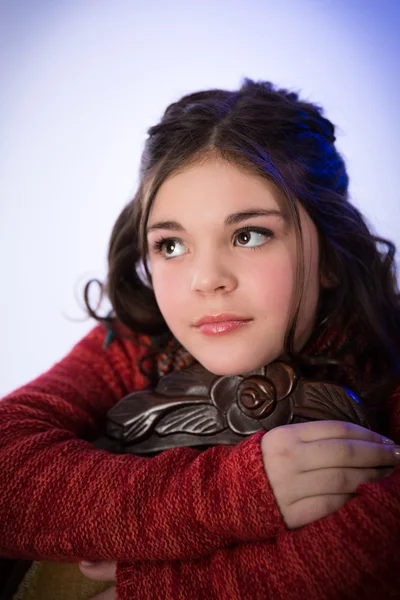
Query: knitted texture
[[184, 524], [61, 499]]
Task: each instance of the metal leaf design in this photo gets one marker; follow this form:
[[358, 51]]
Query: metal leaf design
[[192, 381], [200, 420], [197, 408], [133, 416], [140, 426], [320, 400]]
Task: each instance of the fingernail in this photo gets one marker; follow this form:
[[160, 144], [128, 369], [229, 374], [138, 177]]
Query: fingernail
[[396, 453], [87, 563], [386, 440]]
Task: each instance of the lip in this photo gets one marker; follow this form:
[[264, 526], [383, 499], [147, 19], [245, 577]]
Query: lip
[[221, 318], [221, 327]]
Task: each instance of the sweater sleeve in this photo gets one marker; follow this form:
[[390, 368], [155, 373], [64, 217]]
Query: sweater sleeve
[[62, 499], [351, 554]]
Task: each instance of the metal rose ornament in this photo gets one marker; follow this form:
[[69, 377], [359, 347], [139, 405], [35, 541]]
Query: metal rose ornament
[[256, 397], [196, 408]]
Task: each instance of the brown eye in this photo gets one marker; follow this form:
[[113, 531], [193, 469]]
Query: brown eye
[[244, 237], [169, 247], [252, 238]]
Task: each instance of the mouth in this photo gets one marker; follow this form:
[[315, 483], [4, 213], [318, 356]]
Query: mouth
[[220, 324], [220, 318]]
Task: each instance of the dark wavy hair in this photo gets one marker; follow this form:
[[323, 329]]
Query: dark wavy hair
[[273, 133]]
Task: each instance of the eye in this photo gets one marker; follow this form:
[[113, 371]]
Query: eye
[[169, 247], [251, 238]]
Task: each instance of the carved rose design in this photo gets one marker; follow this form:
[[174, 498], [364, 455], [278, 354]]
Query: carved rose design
[[256, 397], [195, 408], [223, 391]]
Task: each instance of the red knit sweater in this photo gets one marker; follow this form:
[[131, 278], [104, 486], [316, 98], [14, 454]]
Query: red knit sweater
[[185, 524]]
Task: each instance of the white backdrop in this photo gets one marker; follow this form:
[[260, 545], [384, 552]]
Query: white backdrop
[[82, 81]]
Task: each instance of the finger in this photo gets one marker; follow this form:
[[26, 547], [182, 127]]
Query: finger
[[331, 481], [110, 594], [308, 510], [102, 570], [343, 453], [321, 430]]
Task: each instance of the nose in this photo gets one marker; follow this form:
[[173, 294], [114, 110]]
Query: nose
[[212, 273]]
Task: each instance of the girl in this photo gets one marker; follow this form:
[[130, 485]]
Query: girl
[[239, 247]]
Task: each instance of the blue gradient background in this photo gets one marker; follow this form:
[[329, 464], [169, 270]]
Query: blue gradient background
[[81, 82]]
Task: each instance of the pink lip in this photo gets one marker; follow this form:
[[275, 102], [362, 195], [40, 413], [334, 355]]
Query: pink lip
[[219, 324], [219, 319], [221, 327]]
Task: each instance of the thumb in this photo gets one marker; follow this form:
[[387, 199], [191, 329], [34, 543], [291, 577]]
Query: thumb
[[101, 570]]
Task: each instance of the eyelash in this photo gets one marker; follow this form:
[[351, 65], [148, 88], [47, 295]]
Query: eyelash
[[159, 244]]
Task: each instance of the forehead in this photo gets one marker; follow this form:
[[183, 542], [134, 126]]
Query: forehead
[[217, 186]]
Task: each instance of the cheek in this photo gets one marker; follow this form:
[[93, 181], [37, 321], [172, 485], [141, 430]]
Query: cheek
[[166, 285], [270, 283]]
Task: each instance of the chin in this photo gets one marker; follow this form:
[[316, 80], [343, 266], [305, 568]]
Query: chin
[[230, 366]]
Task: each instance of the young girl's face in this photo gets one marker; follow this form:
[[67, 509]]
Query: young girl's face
[[223, 262]]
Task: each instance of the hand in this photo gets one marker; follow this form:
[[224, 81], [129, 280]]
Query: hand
[[102, 570], [314, 468]]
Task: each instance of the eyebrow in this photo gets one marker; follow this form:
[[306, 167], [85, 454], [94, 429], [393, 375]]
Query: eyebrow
[[232, 219]]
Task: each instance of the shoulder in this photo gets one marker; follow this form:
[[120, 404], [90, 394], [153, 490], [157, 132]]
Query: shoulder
[[113, 358]]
